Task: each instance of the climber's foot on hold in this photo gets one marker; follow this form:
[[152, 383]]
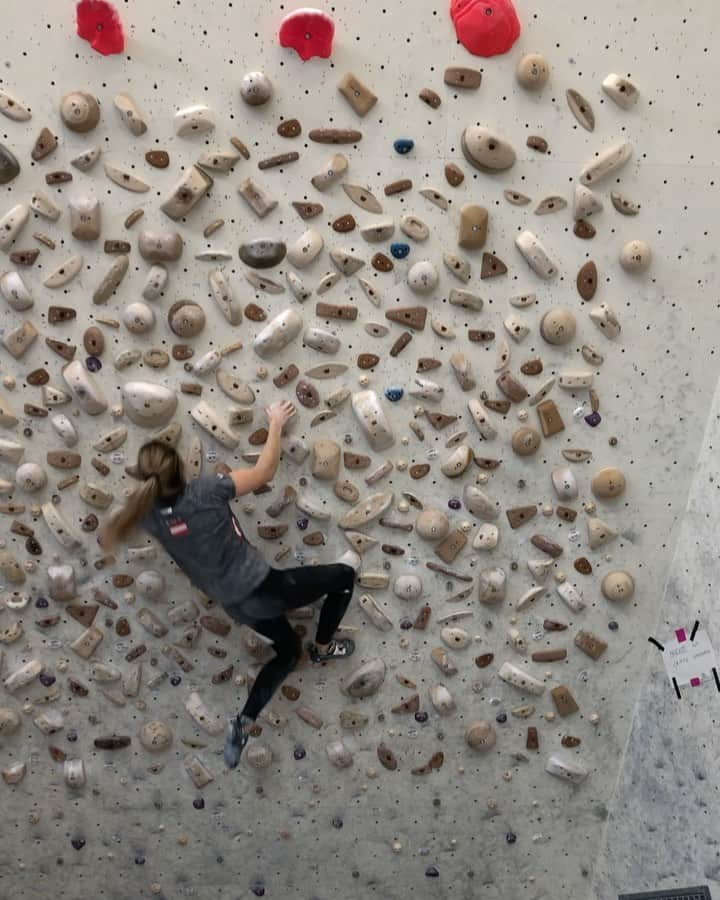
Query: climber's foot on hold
[[336, 649], [236, 736]]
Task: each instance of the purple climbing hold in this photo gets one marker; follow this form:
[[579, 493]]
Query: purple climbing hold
[[501, 718], [421, 717], [406, 623], [93, 364], [510, 837], [78, 843], [199, 803], [42, 603], [258, 890], [455, 503], [302, 523], [46, 679], [432, 872], [299, 753], [337, 822], [175, 680], [594, 419]]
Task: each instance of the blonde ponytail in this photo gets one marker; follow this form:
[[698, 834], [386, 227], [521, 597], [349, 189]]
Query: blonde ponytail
[[160, 468]]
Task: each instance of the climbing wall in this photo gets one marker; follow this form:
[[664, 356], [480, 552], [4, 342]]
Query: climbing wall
[[487, 284]]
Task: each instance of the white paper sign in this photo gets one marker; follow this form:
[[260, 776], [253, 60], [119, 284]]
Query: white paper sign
[[688, 661]]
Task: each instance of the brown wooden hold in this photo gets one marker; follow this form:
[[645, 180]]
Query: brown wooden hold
[[546, 545], [290, 128], [479, 336], [587, 281], [454, 175], [427, 363], [451, 545], [410, 316], [492, 266], [24, 257], [398, 187], [282, 159], [439, 420], [566, 514], [347, 313], [335, 135], [462, 77], [307, 210], [160, 159], [59, 314], [382, 263], [355, 460], [344, 224], [520, 515], [401, 343], [289, 373]]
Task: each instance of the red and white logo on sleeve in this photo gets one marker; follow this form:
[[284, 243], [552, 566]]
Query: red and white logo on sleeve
[[178, 529]]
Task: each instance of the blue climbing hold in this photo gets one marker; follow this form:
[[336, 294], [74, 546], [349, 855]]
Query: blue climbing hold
[[403, 146], [400, 251], [394, 394]]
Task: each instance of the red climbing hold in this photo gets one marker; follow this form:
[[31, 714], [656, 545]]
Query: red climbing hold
[[485, 27], [309, 31], [98, 23]]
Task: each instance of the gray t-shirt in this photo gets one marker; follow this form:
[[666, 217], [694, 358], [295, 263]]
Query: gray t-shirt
[[203, 536]]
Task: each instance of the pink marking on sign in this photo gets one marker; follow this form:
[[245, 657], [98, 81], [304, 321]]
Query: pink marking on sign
[[695, 682], [680, 635]]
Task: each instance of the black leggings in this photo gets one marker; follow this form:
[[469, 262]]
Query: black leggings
[[298, 586]]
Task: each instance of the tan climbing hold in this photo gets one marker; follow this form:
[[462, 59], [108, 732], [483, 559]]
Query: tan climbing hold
[[486, 150], [581, 109], [618, 586], [480, 736], [473, 226], [608, 483], [532, 71], [80, 111], [621, 91], [636, 256], [357, 94]]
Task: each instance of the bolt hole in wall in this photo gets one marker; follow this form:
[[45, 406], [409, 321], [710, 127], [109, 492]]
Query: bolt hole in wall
[[183, 87]]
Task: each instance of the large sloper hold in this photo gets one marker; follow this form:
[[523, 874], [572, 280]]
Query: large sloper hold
[[215, 424], [278, 333], [605, 163], [147, 404], [536, 255], [366, 680], [85, 389], [366, 511], [62, 530], [373, 420], [222, 292]]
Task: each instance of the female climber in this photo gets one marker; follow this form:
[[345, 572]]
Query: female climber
[[194, 523]]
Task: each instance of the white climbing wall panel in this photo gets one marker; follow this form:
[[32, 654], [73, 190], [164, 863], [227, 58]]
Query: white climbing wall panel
[[492, 824]]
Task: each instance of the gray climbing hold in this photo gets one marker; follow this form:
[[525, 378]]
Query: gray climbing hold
[[263, 253]]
